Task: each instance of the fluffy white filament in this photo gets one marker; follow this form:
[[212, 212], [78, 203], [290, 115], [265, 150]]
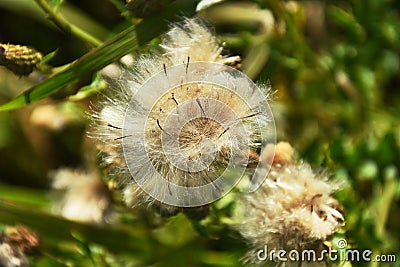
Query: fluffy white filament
[[293, 210], [186, 43]]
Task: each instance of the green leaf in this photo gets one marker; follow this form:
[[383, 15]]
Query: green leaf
[[94, 87], [52, 229], [55, 3], [348, 22], [118, 46], [29, 197], [48, 57], [387, 152], [337, 151]]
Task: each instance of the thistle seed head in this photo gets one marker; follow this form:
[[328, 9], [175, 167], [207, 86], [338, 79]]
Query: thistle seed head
[[293, 209], [180, 127]]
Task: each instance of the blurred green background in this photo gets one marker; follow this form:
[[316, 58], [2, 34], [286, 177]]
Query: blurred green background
[[334, 67]]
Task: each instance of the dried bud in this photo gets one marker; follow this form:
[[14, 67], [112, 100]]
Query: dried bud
[[15, 242], [19, 59], [22, 237], [282, 153]]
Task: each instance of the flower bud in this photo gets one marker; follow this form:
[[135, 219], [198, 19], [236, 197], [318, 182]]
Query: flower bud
[[19, 59]]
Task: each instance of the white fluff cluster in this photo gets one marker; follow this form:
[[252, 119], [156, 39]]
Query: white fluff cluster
[[81, 196], [293, 210], [185, 44], [11, 256], [191, 39]]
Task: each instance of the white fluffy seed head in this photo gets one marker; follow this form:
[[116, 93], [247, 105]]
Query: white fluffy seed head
[[292, 210], [188, 133], [191, 39], [125, 111]]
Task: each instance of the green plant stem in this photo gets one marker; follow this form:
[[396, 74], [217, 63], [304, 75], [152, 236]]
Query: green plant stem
[[382, 211], [383, 208], [63, 24], [52, 229], [118, 46]]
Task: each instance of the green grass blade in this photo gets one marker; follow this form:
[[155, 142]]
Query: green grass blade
[[118, 46], [52, 229]]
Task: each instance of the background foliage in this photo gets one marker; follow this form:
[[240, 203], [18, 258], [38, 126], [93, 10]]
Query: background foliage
[[334, 66]]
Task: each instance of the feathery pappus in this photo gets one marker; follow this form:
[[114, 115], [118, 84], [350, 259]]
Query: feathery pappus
[[179, 125], [292, 210]]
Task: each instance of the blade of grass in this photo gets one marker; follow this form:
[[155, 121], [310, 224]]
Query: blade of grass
[[27, 196], [118, 46], [52, 229]]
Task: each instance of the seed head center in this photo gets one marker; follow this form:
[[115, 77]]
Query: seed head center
[[199, 136]]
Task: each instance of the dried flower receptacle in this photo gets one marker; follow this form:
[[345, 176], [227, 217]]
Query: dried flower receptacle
[[15, 243]]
